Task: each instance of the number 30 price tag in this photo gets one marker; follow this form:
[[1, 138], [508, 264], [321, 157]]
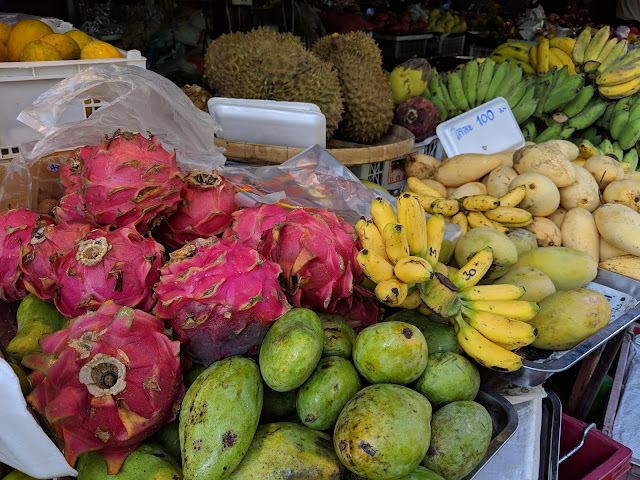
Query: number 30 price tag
[[489, 128]]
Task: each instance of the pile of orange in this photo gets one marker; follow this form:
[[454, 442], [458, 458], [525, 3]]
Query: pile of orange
[[34, 41]]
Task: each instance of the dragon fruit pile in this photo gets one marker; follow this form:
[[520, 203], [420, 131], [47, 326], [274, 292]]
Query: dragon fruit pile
[[107, 260]]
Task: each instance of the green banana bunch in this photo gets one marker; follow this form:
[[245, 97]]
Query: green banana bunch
[[529, 131], [589, 115], [631, 156], [470, 82]]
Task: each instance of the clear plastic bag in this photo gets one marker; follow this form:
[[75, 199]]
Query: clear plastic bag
[[313, 178], [132, 99], [16, 184]]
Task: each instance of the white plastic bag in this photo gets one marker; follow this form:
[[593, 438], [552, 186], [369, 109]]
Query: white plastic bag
[[132, 99]]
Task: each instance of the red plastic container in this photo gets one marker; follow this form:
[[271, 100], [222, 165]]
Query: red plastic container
[[600, 458]]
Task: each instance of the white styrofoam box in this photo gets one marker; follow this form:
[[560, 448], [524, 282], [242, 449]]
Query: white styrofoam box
[[488, 128], [22, 82], [269, 122]]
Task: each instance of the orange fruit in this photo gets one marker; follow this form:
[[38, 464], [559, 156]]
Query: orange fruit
[[79, 37], [3, 52], [23, 32], [39, 51], [66, 45], [4, 33], [99, 49]]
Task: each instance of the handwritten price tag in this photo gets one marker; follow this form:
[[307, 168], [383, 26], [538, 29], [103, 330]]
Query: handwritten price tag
[[489, 128]]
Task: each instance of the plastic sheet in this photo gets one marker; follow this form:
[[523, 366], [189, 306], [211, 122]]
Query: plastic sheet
[[627, 422], [132, 99], [23, 444], [16, 184]]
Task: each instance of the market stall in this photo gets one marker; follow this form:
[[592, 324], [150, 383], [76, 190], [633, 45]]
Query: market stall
[[331, 260]]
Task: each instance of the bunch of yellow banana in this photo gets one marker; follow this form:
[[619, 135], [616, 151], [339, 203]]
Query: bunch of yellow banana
[[619, 75], [400, 256], [597, 53], [554, 52], [475, 210], [517, 53]]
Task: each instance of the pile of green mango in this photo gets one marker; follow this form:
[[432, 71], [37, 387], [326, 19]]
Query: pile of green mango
[[395, 401]]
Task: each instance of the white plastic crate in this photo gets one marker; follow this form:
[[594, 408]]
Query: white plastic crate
[[22, 82], [391, 174]]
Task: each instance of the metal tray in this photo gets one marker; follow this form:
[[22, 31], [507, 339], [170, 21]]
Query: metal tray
[[539, 365], [505, 422], [550, 437]]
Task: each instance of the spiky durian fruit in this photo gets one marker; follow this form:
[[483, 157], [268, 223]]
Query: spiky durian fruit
[[273, 66], [368, 98], [352, 43]]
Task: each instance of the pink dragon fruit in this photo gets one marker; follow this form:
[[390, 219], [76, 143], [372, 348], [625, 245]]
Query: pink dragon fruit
[[219, 296], [107, 382], [72, 208], [207, 202], [119, 265], [128, 180], [16, 227], [316, 251], [249, 223], [360, 310], [39, 253]]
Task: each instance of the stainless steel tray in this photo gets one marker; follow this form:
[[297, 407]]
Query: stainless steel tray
[[539, 365], [550, 437], [505, 422]]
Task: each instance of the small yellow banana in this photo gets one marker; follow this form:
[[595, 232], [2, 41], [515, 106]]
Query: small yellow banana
[[461, 219], [359, 226], [413, 269], [382, 213], [473, 271], [509, 215], [478, 219], [580, 161], [596, 44], [411, 216], [513, 309], [412, 301], [446, 206], [513, 197], [564, 59], [376, 268], [479, 203], [533, 56], [426, 201], [451, 271], [435, 235], [511, 334], [395, 242], [565, 44], [418, 186], [484, 351], [492, 292], [391, 292], [542, 62], [442, 268], [587, 149], [370, 238], [554, 61]]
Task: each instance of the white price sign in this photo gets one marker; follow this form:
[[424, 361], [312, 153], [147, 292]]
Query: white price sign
[[489, 128]]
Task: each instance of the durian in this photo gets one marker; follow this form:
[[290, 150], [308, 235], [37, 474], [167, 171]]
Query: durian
[[352, 43], [368, 98], [267, 65]]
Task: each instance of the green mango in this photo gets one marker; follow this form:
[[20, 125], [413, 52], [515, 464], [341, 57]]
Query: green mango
[[383, 431], [277, 405], [36, 318], [321, 398], [291, 349], [168, 437], [219, 417], [420, 473], [17, 475], [191, 375], [390, 352], [460, 436], [338, 336], [286, 451], [448, 377], [441, 337], [148, 462]]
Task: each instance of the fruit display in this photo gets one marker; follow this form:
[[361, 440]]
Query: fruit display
[[32, 40]]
